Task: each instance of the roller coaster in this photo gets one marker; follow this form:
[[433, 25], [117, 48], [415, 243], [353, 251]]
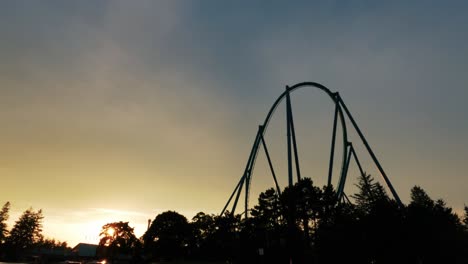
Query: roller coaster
[[341, 114]]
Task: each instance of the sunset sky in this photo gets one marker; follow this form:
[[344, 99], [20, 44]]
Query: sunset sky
[[120, 110]]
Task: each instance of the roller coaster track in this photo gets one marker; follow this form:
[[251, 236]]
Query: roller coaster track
[[342, 114]]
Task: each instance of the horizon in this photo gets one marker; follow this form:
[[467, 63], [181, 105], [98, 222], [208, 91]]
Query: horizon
[[116, 110]]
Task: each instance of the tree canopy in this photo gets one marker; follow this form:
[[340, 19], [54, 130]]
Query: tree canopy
[[27, 230], [117, 238], [168, 235], [3, 218]]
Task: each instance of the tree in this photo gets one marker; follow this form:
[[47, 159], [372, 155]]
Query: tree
[[369, 193], [117, 238], [168, 235], [302, 205], [465, 218], [26, 233], [226, 236], [51, 243], [268, 211], [433, 228], [265, 229], [379, 225], [202, 227], [3, 218], [420, 198]]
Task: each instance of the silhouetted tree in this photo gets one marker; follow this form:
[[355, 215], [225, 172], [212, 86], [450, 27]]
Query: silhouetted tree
[[267, 212], [26, 232], [419, 198], [202, 227], [329, 203], [369, 193], [168, 235], [118, 239], [433, 229], [51, 243], [380, 222], [3, 218], [226, 237], [465, 217], [303, 205], [338, 238], [264, 230]]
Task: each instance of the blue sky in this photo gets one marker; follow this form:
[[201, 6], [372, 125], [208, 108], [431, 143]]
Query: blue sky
[[161, 99]]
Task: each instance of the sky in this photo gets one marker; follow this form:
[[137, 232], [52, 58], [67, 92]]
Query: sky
[[120, 110]]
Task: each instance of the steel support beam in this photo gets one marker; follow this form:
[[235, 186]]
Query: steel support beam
[[271, 165], [371, 153], [239, 185], [238, 195], [293, 137], [357, 162], [342, 182], [332, 151], [288, 125], [250, 169]]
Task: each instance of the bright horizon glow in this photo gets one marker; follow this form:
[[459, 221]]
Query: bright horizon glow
[[88, 223]]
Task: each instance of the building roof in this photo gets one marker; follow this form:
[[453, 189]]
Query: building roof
[[85, 250]]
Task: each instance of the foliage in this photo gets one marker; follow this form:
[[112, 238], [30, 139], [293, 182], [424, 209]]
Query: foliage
[[50, 243], [268, 210], [465, 218], [433, 228], [27, 230], [3, 218], [310, 225], [304, 223], [369, 194], [168, 235], [117, 239], [419, 198], [203, 227]]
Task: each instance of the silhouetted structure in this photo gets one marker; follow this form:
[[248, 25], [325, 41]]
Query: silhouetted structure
[[341, 113], [84, 251]]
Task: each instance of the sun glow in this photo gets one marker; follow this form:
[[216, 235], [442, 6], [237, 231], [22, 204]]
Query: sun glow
[[86, 225], [110, 232]]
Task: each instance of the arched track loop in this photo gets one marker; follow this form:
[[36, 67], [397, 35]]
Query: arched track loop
[[335, 98], [348, 149]]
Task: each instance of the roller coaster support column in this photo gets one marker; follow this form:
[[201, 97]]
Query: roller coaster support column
[[288, 125], [258, 139], [246, 177], [332, 152], [341, 184], [291, 139], [270, 164], [374, 158]]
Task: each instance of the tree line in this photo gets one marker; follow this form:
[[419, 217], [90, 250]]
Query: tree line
[[304, 223], [307, 224], [25, 237]]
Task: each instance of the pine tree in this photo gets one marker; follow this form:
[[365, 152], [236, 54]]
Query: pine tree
[[420, 198], [465, 218], [27, 231], [369, 194], [3, 218], [268, 211]]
